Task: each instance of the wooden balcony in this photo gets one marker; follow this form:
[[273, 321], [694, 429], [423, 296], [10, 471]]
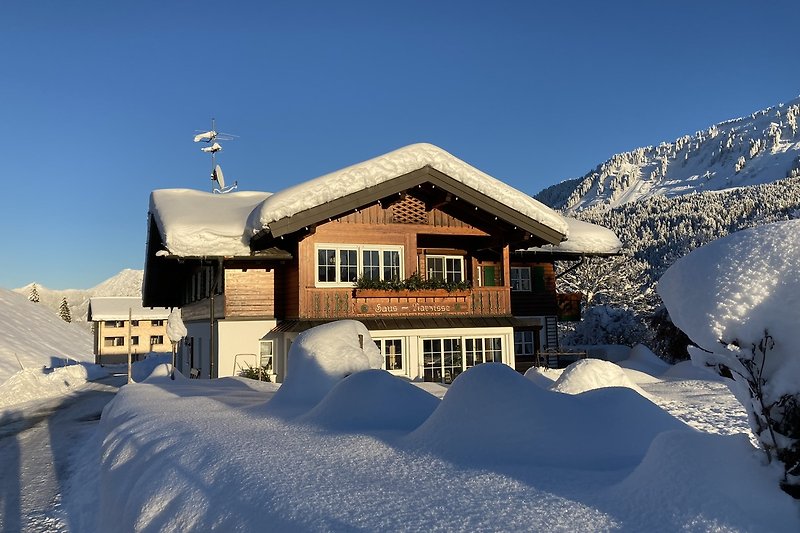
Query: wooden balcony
[[362, 303]]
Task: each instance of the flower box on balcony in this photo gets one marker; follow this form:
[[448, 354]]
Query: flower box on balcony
[[426, 293]]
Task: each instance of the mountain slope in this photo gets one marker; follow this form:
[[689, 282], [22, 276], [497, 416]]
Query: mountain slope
[[33, 336], [128, 282], [761, 148]]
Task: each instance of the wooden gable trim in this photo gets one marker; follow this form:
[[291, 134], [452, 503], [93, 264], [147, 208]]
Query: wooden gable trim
[[426, 174]]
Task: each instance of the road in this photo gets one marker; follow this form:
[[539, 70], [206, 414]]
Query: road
[[43, 445]]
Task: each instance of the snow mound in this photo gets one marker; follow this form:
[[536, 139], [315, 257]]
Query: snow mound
[[27, 385], [542, 377], [590, 374], [686, 370], [584, 237], [641, 358], [735, 491], [319, 358], [506, 419], [141, 370], [372, 400]]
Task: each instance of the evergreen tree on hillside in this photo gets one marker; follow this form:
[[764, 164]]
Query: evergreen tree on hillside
[[63, 311], [34, 294]]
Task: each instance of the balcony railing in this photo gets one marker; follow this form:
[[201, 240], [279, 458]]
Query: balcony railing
[[355, 303]]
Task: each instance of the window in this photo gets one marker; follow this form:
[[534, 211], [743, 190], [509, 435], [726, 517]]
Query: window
[[265, 355], [156, 339], [524, 343], [135, 340], [520, 278], [445, 359], [448, 268], [115, 323], [113, 341], [134, 323], [343, 265], [392, 350], [158, 323]]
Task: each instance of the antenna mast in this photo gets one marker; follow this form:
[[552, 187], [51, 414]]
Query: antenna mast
[[210, 138]]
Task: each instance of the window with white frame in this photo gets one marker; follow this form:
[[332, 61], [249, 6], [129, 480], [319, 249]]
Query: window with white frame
[[392, 351], [524, 343], [343, 265], [444, 359], [520, 278], [448, 268], [265, 355]]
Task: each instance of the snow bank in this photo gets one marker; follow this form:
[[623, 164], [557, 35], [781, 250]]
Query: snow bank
[[27, 385], [375, 171], [641, 358], [141, 370], [590, 374], [202, 223], [734, 493], [319, 358], [686, 370], [506, 419], [372, 400], [542, 377]]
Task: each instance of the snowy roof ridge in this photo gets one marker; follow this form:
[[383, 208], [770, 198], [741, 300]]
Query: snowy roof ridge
[[365, 174], [117, 308]]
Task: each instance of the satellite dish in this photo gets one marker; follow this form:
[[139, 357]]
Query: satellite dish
[[220, 179]]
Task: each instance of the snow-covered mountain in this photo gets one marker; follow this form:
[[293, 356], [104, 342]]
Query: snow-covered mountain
[[127, 283], [761, 148]]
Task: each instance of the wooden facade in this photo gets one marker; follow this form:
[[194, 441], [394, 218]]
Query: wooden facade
[[304, 270]]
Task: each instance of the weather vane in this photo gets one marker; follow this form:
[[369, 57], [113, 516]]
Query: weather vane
[[210, 138]]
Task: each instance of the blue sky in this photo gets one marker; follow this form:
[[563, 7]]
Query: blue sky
[[100, 99]]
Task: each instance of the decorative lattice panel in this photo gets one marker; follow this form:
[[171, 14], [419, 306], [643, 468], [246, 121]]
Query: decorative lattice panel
[[409, 211]]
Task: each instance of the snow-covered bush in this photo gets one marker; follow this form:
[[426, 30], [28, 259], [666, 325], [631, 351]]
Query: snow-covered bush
[[603, 324], [738, 299]]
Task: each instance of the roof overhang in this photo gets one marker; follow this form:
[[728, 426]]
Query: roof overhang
[[462, 200]]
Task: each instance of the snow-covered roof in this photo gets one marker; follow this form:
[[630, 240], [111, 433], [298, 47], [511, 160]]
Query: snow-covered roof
[[116, 308], [196, 223], [376, 171], [584, 238]]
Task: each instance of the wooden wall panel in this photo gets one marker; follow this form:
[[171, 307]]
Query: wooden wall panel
[[249, 293]]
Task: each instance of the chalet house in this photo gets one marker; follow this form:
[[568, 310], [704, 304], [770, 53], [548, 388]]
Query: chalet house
[[113, 332], [447, 266]]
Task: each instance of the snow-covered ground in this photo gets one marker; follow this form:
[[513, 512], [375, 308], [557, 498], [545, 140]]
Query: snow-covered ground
[[374, 452], [494, 451]]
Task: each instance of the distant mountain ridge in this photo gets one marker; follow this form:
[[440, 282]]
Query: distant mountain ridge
[[761, 148], [128, 282]]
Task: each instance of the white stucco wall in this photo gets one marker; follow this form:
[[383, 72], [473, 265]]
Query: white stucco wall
[[240, 337]]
